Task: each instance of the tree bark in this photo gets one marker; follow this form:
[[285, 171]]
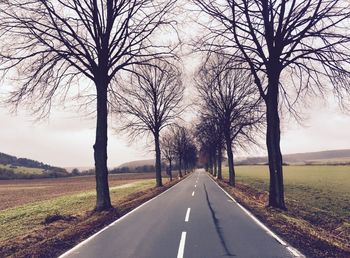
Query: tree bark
[[158, 161], [180, 173], [103, 201], [215, 164], [276, 190], [170, 171], [231, 169], [219, 164]]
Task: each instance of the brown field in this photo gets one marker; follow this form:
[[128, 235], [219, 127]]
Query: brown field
[[18, 192]]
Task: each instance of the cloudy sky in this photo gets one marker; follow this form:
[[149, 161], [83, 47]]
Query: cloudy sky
[[66, 139]]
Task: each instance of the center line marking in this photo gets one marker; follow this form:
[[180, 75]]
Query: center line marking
[[180, 252], [195, 186], [193, 193], [187, 217]]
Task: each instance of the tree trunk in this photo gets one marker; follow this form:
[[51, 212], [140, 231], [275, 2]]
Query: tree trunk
[[158, 161], [276, 194], [170, 171], [180, 173], [103, 201], [231, 169], [215, 164], [219, 164]]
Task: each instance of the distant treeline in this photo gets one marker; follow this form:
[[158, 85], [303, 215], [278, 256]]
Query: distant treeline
[[23, 162], [51, 173], [122, 170]]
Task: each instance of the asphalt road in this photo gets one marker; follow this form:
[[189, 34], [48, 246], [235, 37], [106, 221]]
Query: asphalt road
[[195, 218]]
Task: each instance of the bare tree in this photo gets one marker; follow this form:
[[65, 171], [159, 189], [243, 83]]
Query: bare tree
[[228, 98], [292, 48], [52, 46], [167, 147], [210, 139], [151, 102], [182, 142]]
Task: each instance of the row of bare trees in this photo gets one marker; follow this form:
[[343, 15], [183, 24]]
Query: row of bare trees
[[258, 52], [230, 109], [49, 48], [292, 48], [178, 146]]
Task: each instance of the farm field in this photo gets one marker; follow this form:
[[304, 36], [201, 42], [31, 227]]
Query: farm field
[[25, 204], [315, 195], [18, 192], [323, 189]]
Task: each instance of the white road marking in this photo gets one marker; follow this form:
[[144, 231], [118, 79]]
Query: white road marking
[[84, 242], [195, 186], [295, 252], [180, 252], [187, 217], [193, 193]]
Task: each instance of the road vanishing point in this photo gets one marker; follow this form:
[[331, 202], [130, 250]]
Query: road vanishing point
[[195, 218]]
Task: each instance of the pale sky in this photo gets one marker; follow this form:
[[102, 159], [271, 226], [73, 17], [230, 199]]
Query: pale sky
[[66, 140]]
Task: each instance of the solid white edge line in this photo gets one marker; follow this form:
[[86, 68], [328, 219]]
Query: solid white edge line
[[180, 252], [187, 217], [295, 252], [72, 250], [193, 193]]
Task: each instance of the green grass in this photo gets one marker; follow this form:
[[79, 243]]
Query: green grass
[[26, 218], [23, 170], [325, 189]]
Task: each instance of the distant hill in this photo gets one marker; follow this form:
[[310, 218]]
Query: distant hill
[[138, 163], [319, 157], [12, 167]]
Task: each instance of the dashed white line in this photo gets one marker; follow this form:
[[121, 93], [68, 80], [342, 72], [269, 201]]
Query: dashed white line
[[193, 193], [180, 252], [195, 186], [187, 217]]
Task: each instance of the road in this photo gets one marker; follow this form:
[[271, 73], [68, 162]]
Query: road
[[195, 218]]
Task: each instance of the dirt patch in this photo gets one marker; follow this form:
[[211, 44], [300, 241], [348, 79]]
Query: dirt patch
[[312, 239], [55, 217], [18, 192], [62, 234]]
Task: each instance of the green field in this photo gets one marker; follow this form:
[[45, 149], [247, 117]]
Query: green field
[[23, 170], [24, 219], [322, 189]]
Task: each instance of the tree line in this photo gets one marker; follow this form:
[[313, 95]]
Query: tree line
[[259, 59]]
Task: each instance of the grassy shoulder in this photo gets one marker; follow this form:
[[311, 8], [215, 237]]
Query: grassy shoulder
[[48, 228], [317, 221]]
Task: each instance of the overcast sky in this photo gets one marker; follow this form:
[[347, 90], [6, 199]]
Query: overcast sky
[[66, 140]]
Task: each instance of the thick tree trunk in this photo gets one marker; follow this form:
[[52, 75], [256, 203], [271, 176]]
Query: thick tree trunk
[[276, 192], [103, 201], [158, 161], [231, 168], [219, 164]]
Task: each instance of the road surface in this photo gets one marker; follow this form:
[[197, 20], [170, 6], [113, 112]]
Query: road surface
[[195, 218]]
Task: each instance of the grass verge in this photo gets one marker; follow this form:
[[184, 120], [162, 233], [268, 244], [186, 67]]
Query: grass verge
[[48, 228]]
